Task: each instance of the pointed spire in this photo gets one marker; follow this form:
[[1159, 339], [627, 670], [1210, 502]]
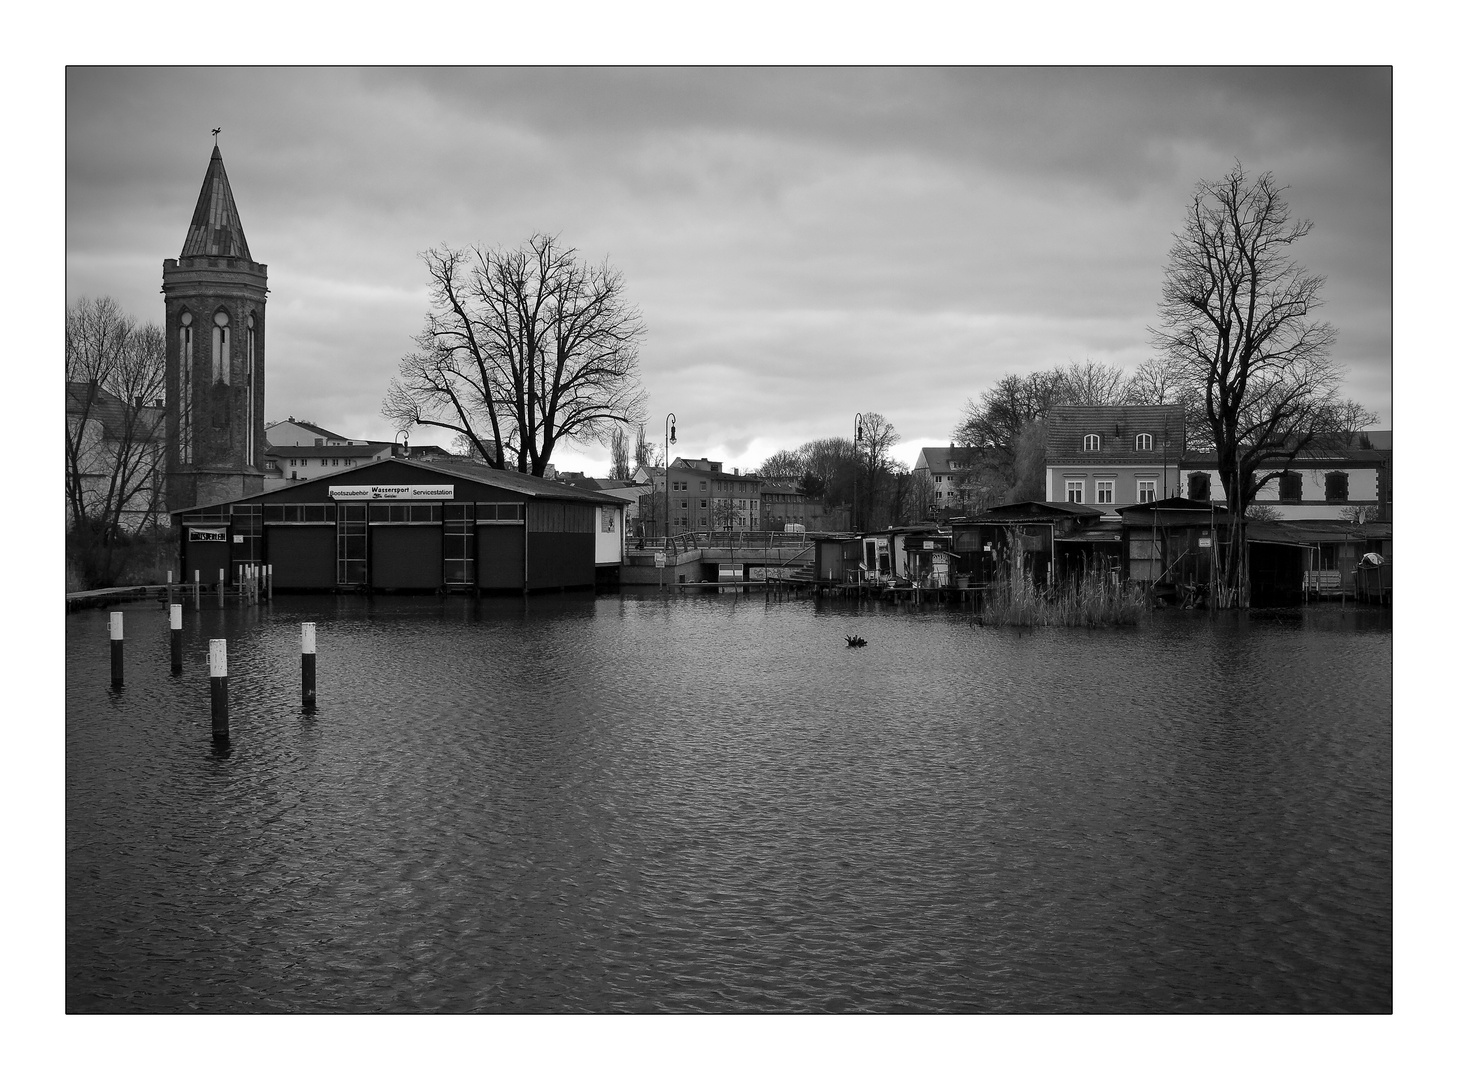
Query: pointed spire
[[215, 228]]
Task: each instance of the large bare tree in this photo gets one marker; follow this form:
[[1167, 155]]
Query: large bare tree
[[1238, 331], [522, 348], [115, 380]]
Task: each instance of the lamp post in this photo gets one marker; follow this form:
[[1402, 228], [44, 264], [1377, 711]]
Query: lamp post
[[670, 436], [856, 476], [404, 436]]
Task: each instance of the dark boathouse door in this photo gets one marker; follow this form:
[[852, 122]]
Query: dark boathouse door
[[405, 546]]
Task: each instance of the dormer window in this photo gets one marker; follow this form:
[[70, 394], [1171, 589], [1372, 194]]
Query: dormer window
[[1144, 441], [1090, 442]]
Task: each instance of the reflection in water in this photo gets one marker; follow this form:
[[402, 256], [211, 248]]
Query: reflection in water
[[648, 802]]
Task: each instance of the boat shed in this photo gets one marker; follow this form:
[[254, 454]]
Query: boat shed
[[411, 526], [1026, 534]]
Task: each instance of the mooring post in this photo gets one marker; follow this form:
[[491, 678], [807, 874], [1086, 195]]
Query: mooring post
[[218, 673], [197, 589], [270, 582], [222, 585], [116, 649], [308, 664], [175, 633], [169, 588]]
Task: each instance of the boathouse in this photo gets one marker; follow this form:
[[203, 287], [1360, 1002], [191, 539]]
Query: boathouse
[[410, 526], [1030, 535]]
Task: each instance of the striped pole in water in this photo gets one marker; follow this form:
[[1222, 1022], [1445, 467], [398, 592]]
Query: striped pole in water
[[308, 659], [175, 633], [116, 649], [218, 673]]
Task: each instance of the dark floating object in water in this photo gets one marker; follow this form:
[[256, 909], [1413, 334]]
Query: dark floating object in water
[[854, 642]]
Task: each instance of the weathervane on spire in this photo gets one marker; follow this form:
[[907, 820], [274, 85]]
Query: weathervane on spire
[[215, 135]]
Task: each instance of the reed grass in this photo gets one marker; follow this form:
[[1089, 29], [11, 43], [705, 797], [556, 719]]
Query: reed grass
[[1090, 600]]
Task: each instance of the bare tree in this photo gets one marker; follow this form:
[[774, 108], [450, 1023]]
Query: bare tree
[[521, 349], [877, 436], [829, 465], [1090, 383], [619, 468], [1236, 327], [115, 379], [642, 450], [783, 465]]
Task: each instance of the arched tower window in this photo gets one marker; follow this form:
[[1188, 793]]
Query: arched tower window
[[1090, 442], [222, 365], [184, 388], [248, 386], [1144, 441]]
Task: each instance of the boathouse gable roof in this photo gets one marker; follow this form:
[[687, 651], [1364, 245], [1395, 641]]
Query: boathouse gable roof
[[474, 483]]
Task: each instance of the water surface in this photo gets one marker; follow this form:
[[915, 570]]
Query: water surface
[[648, 802]]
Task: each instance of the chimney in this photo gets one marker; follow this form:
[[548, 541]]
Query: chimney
[[319, 442], [736, 470]]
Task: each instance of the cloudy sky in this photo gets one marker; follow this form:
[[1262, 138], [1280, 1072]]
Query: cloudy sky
[[803, 243]]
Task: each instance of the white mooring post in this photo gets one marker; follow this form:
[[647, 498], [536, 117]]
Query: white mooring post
[[308, 665], [175, 633], [116, 649], [218, 673]]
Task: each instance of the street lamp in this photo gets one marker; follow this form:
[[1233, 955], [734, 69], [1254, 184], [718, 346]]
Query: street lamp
[[404, 436], [670, 436], [856, 475]]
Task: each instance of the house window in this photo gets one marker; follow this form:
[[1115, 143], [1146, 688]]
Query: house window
[[1144, 441], [1200, 486], [1146, 490], [1290, 486], [703, 504], [1103, 491], [1073, 491], [1336, 487], [703, 485], [1090, 442]]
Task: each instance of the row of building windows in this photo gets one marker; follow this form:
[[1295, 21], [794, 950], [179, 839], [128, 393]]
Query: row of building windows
[[1289, 488], [1104, 491]]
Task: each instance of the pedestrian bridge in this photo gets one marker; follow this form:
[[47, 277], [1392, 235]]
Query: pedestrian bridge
[[687, 553]]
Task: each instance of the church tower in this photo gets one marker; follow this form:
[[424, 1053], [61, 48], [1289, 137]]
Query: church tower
[[214, 294]]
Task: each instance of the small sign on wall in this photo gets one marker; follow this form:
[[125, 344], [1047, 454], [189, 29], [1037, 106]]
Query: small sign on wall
[[219, 536]]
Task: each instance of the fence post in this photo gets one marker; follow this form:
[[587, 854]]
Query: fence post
[[175, 633], [218, 672], [308, 666], [116, 649]]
